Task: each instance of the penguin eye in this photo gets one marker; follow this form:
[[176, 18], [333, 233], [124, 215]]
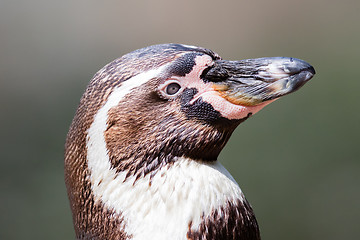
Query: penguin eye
[[172, 88]]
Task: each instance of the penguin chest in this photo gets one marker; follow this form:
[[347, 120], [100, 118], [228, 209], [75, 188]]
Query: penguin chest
[[172, 203]]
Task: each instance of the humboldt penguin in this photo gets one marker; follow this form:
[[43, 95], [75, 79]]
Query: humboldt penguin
[[141, 153]]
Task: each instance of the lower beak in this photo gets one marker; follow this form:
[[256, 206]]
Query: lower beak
[[254, 81]]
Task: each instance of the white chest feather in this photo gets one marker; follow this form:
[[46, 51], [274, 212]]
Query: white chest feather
[[184, 192], [177, 196]]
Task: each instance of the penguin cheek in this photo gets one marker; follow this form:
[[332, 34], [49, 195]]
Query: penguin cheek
[[196, 108], [202, 111]]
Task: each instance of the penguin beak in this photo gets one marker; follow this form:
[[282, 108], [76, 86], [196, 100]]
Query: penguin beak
[[253, 81]]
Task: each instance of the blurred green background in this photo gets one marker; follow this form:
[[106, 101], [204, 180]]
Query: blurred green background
[[297, 160]]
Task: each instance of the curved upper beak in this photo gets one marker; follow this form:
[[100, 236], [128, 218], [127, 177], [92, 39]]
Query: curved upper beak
[[253, 81]]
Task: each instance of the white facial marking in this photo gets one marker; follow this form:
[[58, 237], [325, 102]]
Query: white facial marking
[[177, 195], [98, 159]]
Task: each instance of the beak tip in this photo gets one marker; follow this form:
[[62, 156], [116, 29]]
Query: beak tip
[[299, 71], [312, 70], [294, 65]]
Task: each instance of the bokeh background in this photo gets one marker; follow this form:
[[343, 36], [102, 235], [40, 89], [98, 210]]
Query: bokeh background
[[297, 160]]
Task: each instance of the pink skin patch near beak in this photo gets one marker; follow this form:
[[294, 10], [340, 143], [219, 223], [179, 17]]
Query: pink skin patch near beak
[[208, 94], [229, 110]]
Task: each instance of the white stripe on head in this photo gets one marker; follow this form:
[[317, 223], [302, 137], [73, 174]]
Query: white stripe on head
[[183, 192], [97, 153]]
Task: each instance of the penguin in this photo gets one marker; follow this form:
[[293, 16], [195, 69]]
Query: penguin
[[141, 154]]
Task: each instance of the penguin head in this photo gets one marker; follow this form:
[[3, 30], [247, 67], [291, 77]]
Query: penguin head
[[171, 100]]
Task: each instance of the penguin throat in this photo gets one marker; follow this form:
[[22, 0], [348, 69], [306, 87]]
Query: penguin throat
[[163, 145]]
